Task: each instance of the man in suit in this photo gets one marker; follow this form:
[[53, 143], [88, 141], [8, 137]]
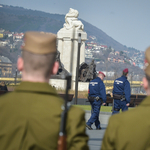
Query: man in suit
[[30, 116], [121, 93], [130, 130], [97, 97]]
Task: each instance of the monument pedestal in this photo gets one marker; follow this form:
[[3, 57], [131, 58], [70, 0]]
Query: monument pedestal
[[60, 84], [67, 45], [68, 48]]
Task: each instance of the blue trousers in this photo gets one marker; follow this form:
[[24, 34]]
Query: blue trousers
[[96, 105], [118, 104]]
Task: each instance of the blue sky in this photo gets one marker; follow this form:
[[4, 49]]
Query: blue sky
[[126, 21]]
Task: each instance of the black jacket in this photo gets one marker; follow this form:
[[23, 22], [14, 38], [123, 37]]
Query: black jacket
[[3, 88]]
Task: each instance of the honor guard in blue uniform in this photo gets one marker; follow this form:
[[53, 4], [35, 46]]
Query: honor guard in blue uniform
[[97, 97], [121, 93]]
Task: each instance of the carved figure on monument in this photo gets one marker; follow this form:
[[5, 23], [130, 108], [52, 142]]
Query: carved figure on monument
[[71, 20], [68, 43], [60, 64], [61, 71], [87, 72]]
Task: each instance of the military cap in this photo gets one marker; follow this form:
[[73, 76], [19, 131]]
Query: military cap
[[102, 73], [39, 42], [125, 70], [147, 61]]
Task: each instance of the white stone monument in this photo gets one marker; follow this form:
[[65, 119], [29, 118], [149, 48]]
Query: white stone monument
[[68, 42]]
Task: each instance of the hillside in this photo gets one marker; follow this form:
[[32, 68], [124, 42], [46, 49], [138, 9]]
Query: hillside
[[18, 19]]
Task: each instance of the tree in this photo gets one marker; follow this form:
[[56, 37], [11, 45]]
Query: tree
[[121, 53]]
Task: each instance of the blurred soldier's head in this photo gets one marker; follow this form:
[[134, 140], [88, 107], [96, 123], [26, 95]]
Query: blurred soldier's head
[[38, 57], [146, 79], [125, 72], [101, 75], [3, 83]]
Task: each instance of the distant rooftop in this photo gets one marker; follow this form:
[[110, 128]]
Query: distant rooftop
[[4, 59]]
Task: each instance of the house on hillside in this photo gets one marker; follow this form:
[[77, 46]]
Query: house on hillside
[[1, 35], [88, 54], [5, 67], [114, 58], [92, 37], [4, 42], [7, 33], [104, 47], [117, 53], [18, 36]]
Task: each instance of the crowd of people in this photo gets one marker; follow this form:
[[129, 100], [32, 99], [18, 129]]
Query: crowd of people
[[31, 114]]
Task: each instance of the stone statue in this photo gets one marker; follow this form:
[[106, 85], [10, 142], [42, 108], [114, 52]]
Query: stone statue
[[71, 20], [67, 43], [91, 74], [60, 64], [62, 72], [87, 72]]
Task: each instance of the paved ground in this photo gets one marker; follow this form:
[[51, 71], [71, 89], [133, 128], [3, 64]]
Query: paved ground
[[96, 136]]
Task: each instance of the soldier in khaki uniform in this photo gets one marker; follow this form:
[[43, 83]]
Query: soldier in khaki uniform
[[131, 130], [30, 116]]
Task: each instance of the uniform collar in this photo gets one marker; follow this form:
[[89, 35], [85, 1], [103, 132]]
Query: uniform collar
[[99, 78], [37, 87], [124, 76]]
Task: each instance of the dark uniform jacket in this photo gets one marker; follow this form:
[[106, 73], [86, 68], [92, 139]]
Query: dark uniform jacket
[[30, 120], [3, 88], [97, 88], [122, 87], [129, 130]]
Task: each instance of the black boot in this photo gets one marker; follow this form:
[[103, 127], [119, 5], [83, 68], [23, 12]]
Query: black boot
[[90, 128]]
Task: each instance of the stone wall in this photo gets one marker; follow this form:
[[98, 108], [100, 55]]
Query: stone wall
[[61, 84]]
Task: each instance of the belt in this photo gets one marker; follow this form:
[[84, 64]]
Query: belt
[[120, 97], [93, 98]]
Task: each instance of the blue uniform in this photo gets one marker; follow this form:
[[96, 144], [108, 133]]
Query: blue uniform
[[96, 88], [121, 87]]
